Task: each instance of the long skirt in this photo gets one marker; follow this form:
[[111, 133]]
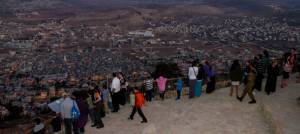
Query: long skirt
[[258, 82], [122, 96], [271, 84], [198, 88], [211, 85], [98, 120], [192, 88]]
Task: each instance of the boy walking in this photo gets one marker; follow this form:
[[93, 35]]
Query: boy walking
[[139, 102]]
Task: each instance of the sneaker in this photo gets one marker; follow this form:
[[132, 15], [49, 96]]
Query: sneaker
[[98, 127], [114, 111], [240, 99], [252, 102], [144, 121], [129, 118]]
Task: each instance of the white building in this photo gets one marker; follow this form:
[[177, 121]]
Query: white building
[[148, 34]]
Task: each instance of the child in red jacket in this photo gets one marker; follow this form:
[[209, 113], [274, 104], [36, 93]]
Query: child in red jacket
[[139, 102]]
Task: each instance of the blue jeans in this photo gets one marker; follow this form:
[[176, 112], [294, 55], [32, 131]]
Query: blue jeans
[[178, 94]]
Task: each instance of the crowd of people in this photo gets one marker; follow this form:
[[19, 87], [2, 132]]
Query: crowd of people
[[257, 69], [96, 101]]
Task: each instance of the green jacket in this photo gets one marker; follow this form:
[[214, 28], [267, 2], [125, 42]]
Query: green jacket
[[90, 102]]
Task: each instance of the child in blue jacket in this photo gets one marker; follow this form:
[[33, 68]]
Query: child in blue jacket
[[179, 85]]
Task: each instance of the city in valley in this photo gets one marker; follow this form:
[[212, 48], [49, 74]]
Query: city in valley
[[48, 44]]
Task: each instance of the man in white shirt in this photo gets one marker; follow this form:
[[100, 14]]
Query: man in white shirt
[[115, 91], [193, 72]]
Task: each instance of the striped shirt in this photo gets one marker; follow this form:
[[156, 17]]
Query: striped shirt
[[149, 84], [260, 67]]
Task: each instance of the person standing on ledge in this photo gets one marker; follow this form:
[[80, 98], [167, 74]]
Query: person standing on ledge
[[115, 90], [211, 76], [139, 102], [84, 111], [98, 109], [236, 75], [250, 85], [289, 62], [123, 91], [179, 85], [260, 67], [192, 74], [66, 114], [149, 88], [273, 72], [161, 83]]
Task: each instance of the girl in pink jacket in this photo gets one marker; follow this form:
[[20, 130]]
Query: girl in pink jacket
[[161, 83]]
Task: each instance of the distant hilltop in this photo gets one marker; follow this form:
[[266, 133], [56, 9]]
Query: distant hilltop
[[30, 5]]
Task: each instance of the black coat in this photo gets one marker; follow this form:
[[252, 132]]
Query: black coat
[[273, 73]]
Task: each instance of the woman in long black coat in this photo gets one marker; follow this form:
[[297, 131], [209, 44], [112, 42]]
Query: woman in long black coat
[[273, 72]]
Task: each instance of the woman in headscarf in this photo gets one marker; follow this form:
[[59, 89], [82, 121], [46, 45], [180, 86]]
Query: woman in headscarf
[[98, 109], [84, 111], [211, 84], [273, 72], [123, 92], [236, 76]]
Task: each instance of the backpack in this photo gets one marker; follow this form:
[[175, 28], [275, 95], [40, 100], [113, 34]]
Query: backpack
[[75, 113]]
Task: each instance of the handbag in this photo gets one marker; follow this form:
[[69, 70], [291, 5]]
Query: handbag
[[196, 74], [75, 113]]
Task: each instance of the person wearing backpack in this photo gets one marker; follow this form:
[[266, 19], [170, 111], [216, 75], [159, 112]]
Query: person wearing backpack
[[69, 114], [138, 103]]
